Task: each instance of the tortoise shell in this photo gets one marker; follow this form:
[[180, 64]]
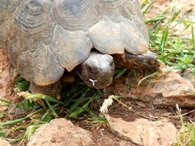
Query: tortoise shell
[[44, 38]]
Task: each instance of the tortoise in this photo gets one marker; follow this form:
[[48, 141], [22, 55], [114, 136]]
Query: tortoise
[[47, 39]]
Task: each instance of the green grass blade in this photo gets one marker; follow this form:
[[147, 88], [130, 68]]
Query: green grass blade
[[80, 110], [12, 122]]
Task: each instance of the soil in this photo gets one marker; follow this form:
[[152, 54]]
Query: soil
[[138, 109]]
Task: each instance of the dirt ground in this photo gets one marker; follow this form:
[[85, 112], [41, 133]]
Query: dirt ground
[[138, 109]]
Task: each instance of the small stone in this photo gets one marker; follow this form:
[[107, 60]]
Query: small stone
[[144, 132], [61, 132], [3, 142], [141, 104], [15, 112]]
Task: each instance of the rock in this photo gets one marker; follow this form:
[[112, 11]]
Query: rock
[[103, 137], [61, 132], [3, 142], [144, 132], [16, 112], [7, 76], [168, 89], [189, 74]]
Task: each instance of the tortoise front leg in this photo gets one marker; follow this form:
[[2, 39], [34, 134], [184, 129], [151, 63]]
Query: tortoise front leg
[[52, 90], [146, 61]]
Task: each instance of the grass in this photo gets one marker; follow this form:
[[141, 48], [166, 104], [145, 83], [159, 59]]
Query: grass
[[186, 137], [175, 50], [166, 38], [40, 109]]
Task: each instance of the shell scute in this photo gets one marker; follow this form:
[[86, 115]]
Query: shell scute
[[45, 37]]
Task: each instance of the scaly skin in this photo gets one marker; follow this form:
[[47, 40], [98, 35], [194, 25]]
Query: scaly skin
[[146, 61]]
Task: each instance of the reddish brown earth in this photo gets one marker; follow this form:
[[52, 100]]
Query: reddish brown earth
[[138, 101], [7, 75]]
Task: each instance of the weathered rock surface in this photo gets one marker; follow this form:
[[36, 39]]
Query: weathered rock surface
[[7, 75], [4, 142], [144, 132], [104, 138], [168, 89], [189, 75], [61, 132]]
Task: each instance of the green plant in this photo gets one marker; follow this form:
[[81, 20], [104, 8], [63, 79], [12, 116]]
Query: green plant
[[186, 136], [175, 49]]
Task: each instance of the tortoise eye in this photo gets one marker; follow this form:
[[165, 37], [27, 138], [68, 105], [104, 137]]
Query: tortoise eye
[[90, 68], [111, 63]]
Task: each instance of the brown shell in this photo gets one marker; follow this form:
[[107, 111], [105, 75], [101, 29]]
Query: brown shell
[[44, 37]]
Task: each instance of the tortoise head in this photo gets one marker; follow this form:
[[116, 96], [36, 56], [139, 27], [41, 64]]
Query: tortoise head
[[97, 71]]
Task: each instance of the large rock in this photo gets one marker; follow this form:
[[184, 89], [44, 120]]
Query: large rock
[[189, 74], [167, 89], [61, 132], [144, 132], [4, 142]]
